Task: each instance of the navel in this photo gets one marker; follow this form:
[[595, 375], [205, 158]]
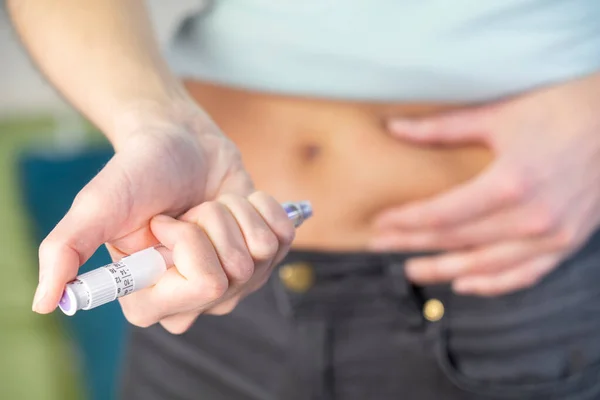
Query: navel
[[310, 152]]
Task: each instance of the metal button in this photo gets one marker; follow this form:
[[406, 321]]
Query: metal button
[[433, 310], [297, 277]]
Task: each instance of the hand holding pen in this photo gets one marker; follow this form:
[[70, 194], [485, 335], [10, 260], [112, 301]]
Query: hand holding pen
[[139, 271], [175, 179]]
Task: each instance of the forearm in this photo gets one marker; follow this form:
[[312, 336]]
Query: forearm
[[100, 54]]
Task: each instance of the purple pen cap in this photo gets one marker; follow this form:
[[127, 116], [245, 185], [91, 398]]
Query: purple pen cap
[[67, 302], [74, 298]]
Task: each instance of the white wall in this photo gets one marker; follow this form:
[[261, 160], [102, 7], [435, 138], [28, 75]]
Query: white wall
[[23, 89]]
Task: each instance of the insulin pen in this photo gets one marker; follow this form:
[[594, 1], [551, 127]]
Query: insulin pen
[[135, 272]]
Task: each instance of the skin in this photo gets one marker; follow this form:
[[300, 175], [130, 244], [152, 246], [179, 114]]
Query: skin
[[175, 178], [533, 206], [338, 155]]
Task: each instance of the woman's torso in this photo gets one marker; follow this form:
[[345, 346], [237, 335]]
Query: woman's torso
[[336, 154], [304, 89]]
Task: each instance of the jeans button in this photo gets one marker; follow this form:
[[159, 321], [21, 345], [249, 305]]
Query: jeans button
[[297, 277], [433, 310]]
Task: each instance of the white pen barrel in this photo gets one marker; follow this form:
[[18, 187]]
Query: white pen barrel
[[145, 268], [105, 284]]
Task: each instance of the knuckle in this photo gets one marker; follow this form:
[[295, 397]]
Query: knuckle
[[529, 278], [47, 248], [201, 213], [263, 244], [212, 289], [174, 329], [83, 198], [472, 264], [541, 221], [138, 318], [565, 238], [228, 198], [428, 239], [436, 271], [212, 208], [259, 195], [287, 234], [512, 188], [434, 220], [239, 264], [225, 308], [179, 327], [188, 233], [89, 200], [208, 212]]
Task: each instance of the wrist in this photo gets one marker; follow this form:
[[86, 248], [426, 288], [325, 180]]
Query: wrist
[[172, 112]]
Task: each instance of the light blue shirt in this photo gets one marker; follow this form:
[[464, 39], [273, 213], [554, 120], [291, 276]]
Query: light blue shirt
[[390, 50]]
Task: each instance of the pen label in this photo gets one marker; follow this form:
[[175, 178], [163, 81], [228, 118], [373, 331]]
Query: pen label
[[123, 278], [87, 297]]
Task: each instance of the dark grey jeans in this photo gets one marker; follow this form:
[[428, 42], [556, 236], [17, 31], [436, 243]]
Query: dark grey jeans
[[359, 333]]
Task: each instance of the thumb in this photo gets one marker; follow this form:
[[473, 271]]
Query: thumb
[[471, 125], [96, 215]]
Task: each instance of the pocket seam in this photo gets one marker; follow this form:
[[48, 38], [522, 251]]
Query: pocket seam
[[473, 386]]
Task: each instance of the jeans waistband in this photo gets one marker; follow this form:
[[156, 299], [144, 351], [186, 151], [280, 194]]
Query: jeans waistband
[[573, 282], [334, 263]]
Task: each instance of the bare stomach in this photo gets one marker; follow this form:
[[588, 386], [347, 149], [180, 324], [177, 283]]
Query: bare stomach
[[336, 154]]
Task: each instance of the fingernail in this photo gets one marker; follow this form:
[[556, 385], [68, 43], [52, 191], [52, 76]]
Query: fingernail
[[40, 293], [162, 218]]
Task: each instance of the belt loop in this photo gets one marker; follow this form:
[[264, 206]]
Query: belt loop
[[282, 298], [283, 302], [408, 296], [394, 269]]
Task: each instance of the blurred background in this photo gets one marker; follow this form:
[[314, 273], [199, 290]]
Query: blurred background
[[47, 153]]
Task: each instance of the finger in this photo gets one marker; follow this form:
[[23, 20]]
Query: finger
[[224, 308], [506, 224], [179, 323], [530, 220], [131, 243], [115, 253], [182, 322], [198, 281], [99, 212], [491, 191], [458, 126], [224, 232], [260, 240], [450, 266], [520, 276], [276, 218]]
